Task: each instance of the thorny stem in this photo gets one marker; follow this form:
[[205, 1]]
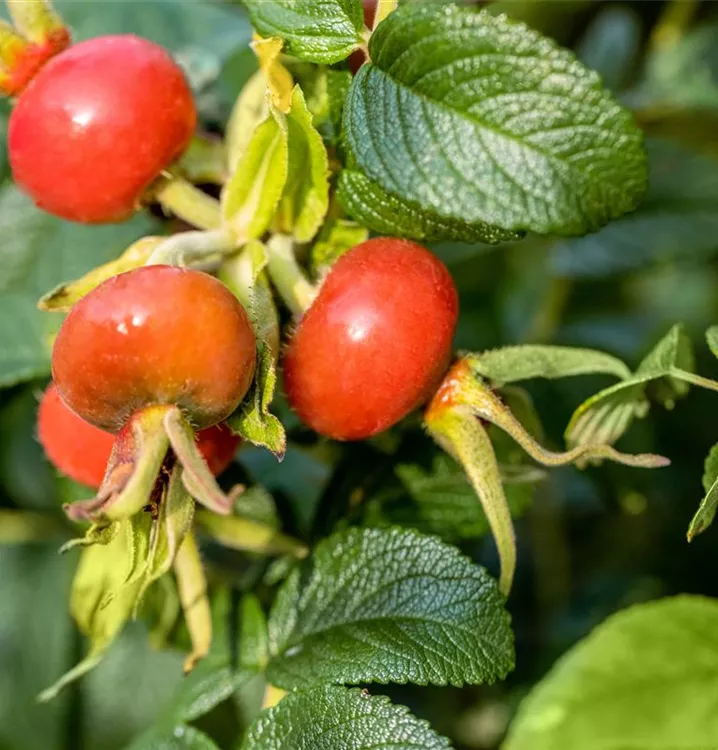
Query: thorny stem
[[287, 276]]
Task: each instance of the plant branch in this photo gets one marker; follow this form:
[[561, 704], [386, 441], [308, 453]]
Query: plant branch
[[189, 203], [287, 276]]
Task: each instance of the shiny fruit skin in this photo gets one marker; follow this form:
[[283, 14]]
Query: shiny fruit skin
[[375, 343], [155, 335], [78, 449], [81, 451], [97, 125], [217, 444]]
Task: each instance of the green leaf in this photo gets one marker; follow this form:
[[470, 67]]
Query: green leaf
[[712, 339], [253, 420], [606, 416], [253, 645], [176, 512], [337, 236], [438, 500], [513, 363], [387, 213], [478, 118], [245, 275], [179, 737], [305, 200], [672, 353], [388, 606], [251, 196], [329, 718], [40, 252], [677, 219], [320, 31], [640, 681], [706, 512], [210, 683], [327, 100]]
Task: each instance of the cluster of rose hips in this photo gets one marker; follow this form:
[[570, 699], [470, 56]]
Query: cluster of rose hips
[[110, 115], [150, 364]]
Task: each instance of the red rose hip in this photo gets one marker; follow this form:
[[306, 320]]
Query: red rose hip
[[81, 451], [155, 335], [375, 343], [97, 125], [75, 447]]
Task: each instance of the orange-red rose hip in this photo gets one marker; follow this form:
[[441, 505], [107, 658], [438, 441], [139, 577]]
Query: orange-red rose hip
[[375, 343], [98, 124], [77, 448], [81, 451], [155, 335]]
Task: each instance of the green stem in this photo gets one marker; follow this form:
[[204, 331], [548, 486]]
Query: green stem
[[189, 203], [187, 248], [244, 275], [248, 536], [699, 380], [205, 160], [484, 403], [458, 431], [287, 276]]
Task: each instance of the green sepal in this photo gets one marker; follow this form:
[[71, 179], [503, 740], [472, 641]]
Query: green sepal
[[102, 601], [246, 276], [706, 512], [135, 461], [196, 476], [451, 418], [192, 590], [64, 296]]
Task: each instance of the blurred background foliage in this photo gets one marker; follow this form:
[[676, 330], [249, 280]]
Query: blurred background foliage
[[590, 542]]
